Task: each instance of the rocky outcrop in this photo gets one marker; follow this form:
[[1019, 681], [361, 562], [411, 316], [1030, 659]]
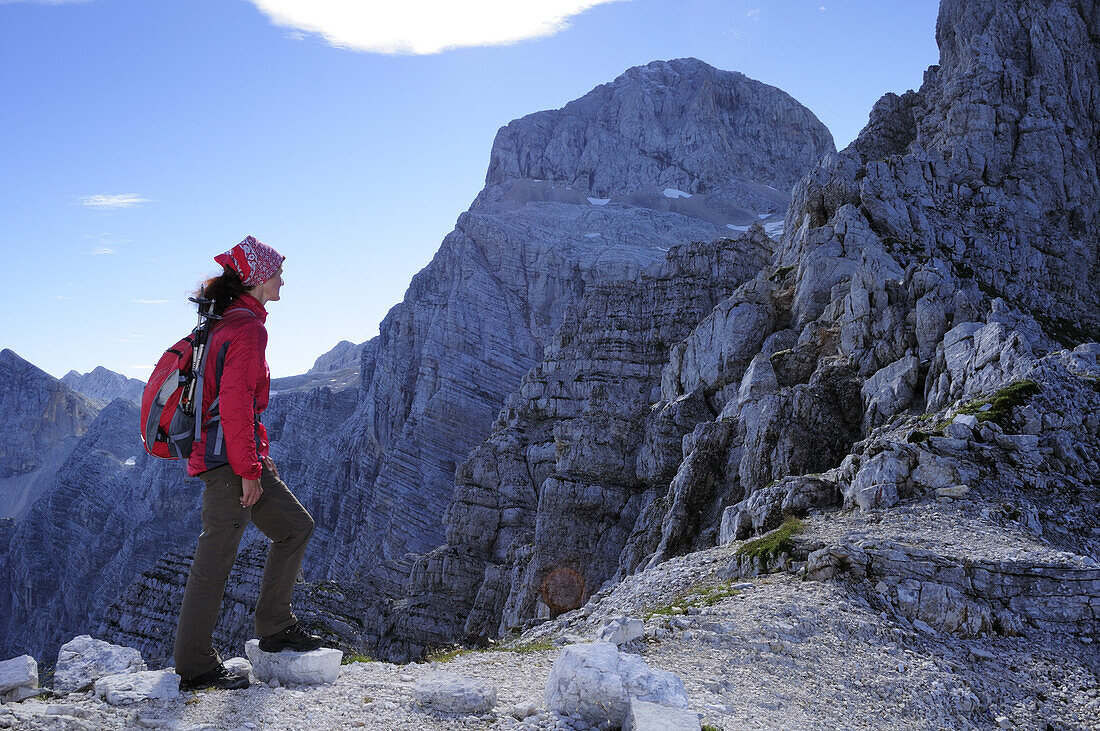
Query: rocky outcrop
[[930, 265], [478, 317], [562, 480], [42, 421], [103, 386]]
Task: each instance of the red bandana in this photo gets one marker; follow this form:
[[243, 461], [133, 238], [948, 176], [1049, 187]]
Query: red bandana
[[254, 260]]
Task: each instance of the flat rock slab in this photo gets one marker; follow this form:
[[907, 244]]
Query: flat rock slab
[[19, 671], [646, 716], [126, 688], [455, 694], [294, 668], [82, 661]]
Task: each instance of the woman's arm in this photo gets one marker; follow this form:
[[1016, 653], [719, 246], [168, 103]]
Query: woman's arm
[[241, 373]]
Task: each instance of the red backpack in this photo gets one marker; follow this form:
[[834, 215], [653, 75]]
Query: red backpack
[[168, 423]]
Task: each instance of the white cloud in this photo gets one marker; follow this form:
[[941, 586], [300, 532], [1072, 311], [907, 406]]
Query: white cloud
[[149, 302], [102, 250], [424, 26], [822, 8], [753, 14], [108, 201], [61, 297]]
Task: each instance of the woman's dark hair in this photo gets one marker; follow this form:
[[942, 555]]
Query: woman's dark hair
[[223, 289]]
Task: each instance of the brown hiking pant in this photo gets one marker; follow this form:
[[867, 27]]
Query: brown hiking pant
[[280, 517]]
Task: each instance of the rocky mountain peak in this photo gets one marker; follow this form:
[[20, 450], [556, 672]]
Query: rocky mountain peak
[[36, 411], [681, 124], [41, 420], [104, 385]]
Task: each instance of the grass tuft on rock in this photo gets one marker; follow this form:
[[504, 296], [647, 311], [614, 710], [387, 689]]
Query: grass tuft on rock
[[773, 543], [446, 654], [350, 657], [700, 595], [1001, 403]]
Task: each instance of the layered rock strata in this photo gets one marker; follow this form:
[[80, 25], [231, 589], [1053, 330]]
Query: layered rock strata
[[110, 511], [931, 264], [557, 486]]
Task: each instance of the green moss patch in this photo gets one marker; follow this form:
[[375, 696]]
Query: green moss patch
[[773, 543], [350, 657], [1000, 403]]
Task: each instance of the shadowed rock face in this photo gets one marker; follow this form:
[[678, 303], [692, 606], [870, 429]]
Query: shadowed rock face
[[939, 257], [110, 511], [38, 412], [40, 422], [563, 478]]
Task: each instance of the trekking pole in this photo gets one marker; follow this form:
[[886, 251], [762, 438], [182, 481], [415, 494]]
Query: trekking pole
[[201, 332]]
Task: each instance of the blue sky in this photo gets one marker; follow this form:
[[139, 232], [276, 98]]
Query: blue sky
[[140, 138]]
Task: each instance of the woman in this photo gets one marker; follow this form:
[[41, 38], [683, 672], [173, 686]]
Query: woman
[[242, 484]]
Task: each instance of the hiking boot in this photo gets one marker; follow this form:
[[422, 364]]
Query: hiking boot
[[218, 678], [293, 638]]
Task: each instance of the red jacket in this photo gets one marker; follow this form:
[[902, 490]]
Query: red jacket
[[236, 385]]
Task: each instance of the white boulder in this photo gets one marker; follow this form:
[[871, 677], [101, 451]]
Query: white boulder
[[620, 630], [238, 666], [646, 716], [596, 682], [126, 688], [455, 694], [294, 668], [19, 671], [82, 661]]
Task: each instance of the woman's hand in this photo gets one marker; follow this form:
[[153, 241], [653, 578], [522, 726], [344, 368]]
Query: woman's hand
[[252, 492], [270, 464]]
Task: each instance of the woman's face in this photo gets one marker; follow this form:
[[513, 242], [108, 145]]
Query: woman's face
[[269, 290]]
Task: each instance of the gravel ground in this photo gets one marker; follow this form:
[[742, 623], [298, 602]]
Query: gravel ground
[[770, 652]]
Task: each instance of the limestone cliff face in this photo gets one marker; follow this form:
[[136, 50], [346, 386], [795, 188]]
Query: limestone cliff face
[[346, 354], [477, 318], [938, 258], [42, 420], [562, 480]]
